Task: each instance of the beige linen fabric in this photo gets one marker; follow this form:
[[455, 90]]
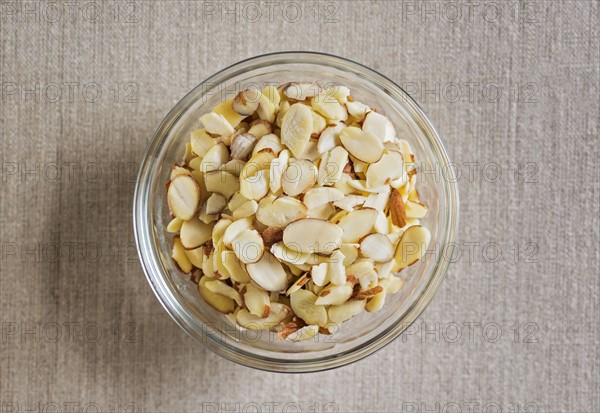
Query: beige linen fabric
[[513, 89]]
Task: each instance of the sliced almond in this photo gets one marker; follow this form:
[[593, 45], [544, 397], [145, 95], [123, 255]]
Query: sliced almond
[[296, 128], [237, 270], [371, 292], [319, 124], [183, 196], [349, 202], [219, 287], [256, 186], [332, 166], [196, 256], [222, 183], [233, 230], [225, 109], [378, 201], [415, 209], [335, 294], [394, 285], [261, 161], [368, 280], [180, 257], [201, 142], [216, 156], [278, 312], [260, 128], [215, 203], [387, 169], [378, 125], [298, 284], [303, 334], [361, 186], [340, 313], [236, 201], [269, 141], [377, 247], [277, 167], [412, 246], [257, 301], [362, 145], [208, 265], [234, 167], [272, 93], [284, 105], [287, 255], [194, 163], [310, 152], [360, 268], [357, 224], [350, 252], [317, 197], [219, 302], [242, 145], [303, 305], [219, 230], [327, 105], [266, 109], [271, 235], [247, 209], [322, 212], [268, 273], [330, 138], [357, 110], [279, 212], [336, 268], [246, 102], [397, 209], [318, 274], [313, 236], [301, 91], [175, 225], [384, 270], [216, 124], [248, 246], [195, 233], [376, 303], [299, 176]]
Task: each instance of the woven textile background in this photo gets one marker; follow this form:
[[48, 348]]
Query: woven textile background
[[513, 88]]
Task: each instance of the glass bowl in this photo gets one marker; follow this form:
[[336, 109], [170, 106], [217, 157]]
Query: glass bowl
[[363, 334]]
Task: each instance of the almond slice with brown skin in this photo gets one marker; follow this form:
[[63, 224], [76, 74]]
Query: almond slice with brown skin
[[246, 102], [183, 196], [397, 210], [388, 168], [412, 246], [248, 246], [317, 197], [357, 224], [216, 124], [303, 305], [257, 301], [279, 212], [362, 145], [378, 125], [311, 235], [219, 287], [195, 233], [335, 294], [268, 273], [340, 313], [296, 128], [301, 91], [377, 247], [303, 334], [217, 301], [278, 312], [415, 209], [180, 257]]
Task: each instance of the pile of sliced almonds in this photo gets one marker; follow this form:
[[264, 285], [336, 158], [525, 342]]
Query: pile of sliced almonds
[[294, 208]]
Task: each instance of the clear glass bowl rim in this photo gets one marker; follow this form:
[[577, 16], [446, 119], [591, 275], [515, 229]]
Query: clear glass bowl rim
[[150, 259]]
